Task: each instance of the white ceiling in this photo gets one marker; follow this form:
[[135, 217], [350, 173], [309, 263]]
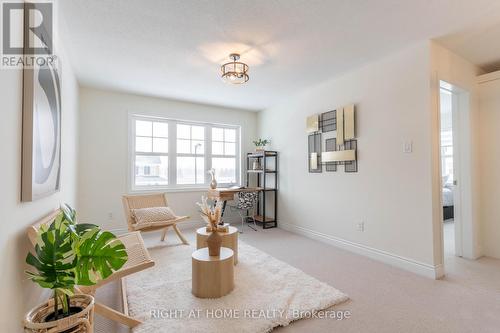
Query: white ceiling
[[173, 48], [479, 44]]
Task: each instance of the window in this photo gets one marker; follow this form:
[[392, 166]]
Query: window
[[176, 154], [224, 154], [190, 154], [151, 153]]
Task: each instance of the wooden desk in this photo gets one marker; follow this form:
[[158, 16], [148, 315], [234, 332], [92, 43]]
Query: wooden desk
[[227, 194]]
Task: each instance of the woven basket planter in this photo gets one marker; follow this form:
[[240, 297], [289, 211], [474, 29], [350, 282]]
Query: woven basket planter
[[81, 322]]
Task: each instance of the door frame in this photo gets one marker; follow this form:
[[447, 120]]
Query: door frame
[[457, 188], [461, 109]]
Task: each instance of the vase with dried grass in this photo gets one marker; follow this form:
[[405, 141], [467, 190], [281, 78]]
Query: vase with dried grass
[[212, 215]]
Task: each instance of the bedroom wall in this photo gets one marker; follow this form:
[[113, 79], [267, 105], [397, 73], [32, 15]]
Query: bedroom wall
[[104, 150], [392, 192], [19, 294], [489, 105]]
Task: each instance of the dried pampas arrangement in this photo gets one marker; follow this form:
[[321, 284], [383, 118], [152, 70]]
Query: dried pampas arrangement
[[212, 214]]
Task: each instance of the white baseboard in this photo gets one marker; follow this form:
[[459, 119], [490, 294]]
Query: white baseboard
[[427, 270], [439, 271]]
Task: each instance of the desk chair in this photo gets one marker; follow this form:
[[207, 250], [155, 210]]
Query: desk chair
[[246, 203]]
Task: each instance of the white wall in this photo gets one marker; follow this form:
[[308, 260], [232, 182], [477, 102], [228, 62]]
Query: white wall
[[490, 163], [392, 192], [19, 294], [447, 66], [104, 149]]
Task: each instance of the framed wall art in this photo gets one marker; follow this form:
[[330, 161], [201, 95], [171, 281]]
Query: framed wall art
[[41, 138]]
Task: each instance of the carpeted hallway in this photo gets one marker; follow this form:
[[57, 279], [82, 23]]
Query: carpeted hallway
[[383, 298]]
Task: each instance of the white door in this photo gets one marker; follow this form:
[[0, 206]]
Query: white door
[[457, 199]]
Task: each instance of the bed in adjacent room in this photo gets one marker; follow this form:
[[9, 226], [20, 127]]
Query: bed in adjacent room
[[447, 202]]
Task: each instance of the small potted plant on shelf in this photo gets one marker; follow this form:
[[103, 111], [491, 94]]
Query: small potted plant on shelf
[[68, 255], [260, 144]]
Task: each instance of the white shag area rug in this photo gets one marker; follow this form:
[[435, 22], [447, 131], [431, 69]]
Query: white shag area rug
[[268, 293]]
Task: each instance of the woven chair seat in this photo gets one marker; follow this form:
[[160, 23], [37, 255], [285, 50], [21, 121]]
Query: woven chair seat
[[147, 225]]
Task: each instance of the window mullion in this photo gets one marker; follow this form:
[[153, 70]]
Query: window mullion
[[132, 154], [152, 134], [208, 150], [191, 139], [142, 153], [172, 152], [237, 151]]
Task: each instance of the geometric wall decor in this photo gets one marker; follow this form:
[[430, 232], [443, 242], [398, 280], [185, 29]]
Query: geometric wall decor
[[314, 152], [340, 126], [339, 156], [328, 121], [331, 145], [339, 136], [349, 123], [351, 166], [312, 124]]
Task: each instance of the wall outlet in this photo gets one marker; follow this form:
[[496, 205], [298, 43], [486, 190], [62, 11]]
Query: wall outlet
[[110, 216], [360, 226]]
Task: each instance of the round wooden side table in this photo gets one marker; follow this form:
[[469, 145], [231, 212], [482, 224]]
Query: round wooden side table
[[229, 240], [213, 277]]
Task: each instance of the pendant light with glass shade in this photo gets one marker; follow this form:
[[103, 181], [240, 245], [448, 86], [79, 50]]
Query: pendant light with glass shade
[[235, 72]]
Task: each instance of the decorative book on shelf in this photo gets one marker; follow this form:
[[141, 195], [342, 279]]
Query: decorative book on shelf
[[262, 171]]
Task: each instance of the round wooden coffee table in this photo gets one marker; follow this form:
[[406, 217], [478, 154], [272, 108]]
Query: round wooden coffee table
[[229, 240], [213, 277]]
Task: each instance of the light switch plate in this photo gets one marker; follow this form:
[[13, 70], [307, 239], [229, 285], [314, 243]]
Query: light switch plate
[[408, 147], [360, 226]]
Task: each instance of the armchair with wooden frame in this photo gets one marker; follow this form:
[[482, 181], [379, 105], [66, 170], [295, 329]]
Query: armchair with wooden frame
[[138, 260], [131, 202]]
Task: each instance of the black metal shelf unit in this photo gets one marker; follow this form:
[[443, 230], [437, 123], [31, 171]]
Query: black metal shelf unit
[[268, 161]]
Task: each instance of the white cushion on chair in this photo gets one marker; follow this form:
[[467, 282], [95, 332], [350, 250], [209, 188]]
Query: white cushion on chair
[[148, 216]]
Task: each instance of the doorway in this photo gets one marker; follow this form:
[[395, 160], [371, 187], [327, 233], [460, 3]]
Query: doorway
[[453, 102]]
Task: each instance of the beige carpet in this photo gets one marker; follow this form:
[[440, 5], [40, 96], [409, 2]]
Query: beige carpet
[[268, 293], [449, 238], [384, 298]]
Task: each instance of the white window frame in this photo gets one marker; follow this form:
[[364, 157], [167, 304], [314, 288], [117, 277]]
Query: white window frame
[[172, 154], [236, 155]]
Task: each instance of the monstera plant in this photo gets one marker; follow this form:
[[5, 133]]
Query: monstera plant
[[68, 254]]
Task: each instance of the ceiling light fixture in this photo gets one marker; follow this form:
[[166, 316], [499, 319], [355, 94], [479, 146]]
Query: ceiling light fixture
[[235, 72]]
